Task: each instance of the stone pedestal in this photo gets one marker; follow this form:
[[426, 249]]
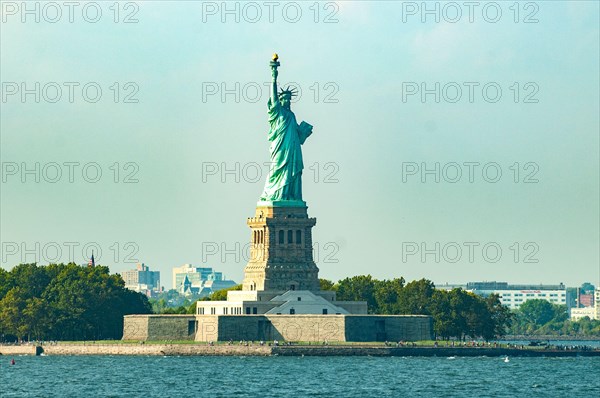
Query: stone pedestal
[[281, 253]]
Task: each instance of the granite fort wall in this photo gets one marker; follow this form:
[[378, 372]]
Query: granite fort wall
[[314, 328], [135, 327], [308, 327], [388, 327], [159, 327], [273, 327], [208, 328]]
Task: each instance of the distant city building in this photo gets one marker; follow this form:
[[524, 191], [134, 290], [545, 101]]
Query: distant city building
[[578, 313], [587, 287], [585, 295], [591, 312], [572, 297], [513, 296], [450, 286], [194, 275], [581, 297], [142, 280], [198, 281], [586, 300], [597, 304]]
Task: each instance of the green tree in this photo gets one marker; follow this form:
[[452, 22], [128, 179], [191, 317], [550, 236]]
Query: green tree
[[415, 297], [11, 312], [537, 312], [387, 293], [158, 305], [358, 288], [36, 320], [560, 312], [191, 309], [66, 302], [444, 322], [326, 284], [221, 295], [500, 318], [5, 283]]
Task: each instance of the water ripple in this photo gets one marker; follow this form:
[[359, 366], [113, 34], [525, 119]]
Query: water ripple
[[114, 376]]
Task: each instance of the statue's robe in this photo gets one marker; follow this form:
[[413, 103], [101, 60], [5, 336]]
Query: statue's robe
[[284, 181]]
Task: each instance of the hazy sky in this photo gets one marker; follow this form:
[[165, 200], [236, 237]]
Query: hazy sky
[[182, 117]]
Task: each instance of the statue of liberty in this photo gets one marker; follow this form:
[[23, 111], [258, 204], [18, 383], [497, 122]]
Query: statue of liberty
[[284, 182]]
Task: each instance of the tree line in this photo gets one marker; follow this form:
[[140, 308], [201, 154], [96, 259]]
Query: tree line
[[65, 302], [540, 317], [71, 302], [456, 313]]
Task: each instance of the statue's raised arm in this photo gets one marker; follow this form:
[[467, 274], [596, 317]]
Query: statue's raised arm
[[274, 73]]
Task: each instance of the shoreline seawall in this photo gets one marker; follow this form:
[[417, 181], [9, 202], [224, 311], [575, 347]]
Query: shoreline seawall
[[517, 337], [156, 349], [20, 349], [294, 350], [428, 352]]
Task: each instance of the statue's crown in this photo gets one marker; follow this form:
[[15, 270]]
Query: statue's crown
[[292, 91]]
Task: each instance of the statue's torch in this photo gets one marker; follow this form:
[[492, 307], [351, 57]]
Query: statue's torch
[[274, 62]]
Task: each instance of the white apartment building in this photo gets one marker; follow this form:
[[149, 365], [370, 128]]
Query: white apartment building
[[513, 296]]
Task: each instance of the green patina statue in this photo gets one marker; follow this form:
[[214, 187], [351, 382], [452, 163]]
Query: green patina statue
[[284, 182]]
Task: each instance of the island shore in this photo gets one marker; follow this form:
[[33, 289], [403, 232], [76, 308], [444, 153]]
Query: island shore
[[202, 349]]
